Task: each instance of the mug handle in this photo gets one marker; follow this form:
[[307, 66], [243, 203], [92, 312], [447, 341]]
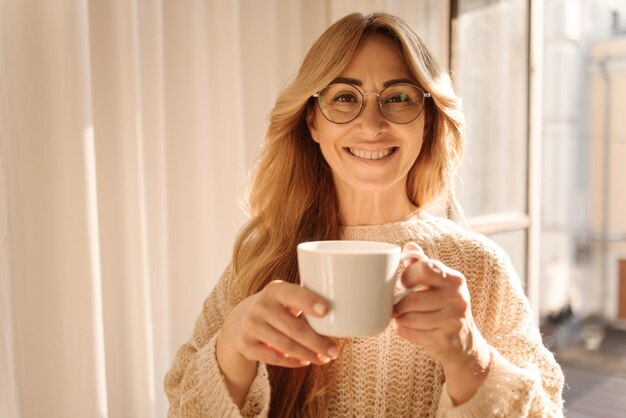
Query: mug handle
[[419, 255]]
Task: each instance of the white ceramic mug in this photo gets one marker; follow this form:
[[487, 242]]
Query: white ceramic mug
[[358, 279]]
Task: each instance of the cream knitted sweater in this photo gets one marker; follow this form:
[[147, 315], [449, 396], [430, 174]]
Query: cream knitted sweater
[[384, 375]]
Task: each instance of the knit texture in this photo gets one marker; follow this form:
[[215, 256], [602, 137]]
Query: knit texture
[[385, 375]]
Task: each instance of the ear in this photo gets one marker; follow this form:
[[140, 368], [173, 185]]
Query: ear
[[310, 122]]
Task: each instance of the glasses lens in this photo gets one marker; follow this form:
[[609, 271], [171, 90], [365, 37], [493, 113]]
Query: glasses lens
[[340, 102], [401, 103]]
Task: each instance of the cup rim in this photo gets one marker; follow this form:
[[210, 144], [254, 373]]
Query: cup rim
[[334, 247]]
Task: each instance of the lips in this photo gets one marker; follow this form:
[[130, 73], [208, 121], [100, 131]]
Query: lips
[[371, 155]]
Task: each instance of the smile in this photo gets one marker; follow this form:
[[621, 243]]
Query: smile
[[369, 155]]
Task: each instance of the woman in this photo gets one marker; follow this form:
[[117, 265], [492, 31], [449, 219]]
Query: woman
[[367, 135]]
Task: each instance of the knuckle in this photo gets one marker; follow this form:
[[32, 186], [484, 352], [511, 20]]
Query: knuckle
[[456, 279], [257, 310], [247, 323], [272, 286], [297, 327], [460, 305]]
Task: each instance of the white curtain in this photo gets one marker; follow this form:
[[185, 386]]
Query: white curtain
[[127, 128]]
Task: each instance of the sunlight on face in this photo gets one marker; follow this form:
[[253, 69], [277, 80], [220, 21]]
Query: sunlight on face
[[370, 154]]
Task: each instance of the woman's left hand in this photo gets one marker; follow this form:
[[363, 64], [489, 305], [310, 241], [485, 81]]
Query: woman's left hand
[[438, 317]]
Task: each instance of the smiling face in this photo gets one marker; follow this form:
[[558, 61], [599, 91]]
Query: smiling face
[[370, 155]]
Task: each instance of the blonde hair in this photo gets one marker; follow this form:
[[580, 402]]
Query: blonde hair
[[293, 197]]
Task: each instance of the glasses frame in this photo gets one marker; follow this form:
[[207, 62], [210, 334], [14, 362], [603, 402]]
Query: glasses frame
[[425, 95]]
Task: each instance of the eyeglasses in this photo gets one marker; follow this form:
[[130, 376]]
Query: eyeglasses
[[399, 103]]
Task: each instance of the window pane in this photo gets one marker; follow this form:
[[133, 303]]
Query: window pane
[[490, 72]]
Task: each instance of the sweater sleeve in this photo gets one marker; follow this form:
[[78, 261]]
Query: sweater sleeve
[[524, 379], [195, 385]]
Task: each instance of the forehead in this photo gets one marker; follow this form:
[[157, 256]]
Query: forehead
[[376, 59]]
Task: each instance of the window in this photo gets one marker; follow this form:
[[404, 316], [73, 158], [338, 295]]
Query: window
[[490, 63]]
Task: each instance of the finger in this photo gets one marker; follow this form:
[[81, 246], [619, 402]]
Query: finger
[[412, 246], [287, 346], [421, 300], [254, 349], [429, 272], [423, 321], [297, 298], [299, 330], [269, 355]]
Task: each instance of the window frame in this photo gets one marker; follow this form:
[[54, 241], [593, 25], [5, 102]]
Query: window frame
[[530, 220]]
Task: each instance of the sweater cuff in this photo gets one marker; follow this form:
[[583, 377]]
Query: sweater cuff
[[506, 392], [257, 403], [214, 390]]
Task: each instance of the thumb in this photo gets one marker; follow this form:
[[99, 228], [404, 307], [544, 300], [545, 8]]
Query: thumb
[[413, 246]]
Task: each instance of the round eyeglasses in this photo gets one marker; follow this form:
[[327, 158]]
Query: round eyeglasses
[[399, 103]]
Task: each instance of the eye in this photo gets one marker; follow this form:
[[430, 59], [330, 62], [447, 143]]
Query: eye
[[345, 97], [399, 98]]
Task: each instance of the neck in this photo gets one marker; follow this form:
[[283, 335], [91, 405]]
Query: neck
[[373, 210]]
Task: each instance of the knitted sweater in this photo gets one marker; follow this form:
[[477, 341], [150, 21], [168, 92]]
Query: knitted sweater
[[385, 375]]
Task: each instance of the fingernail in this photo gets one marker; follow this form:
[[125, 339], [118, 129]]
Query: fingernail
[[394, 324], [319, 308], [434, 268], [323, 359], [333, 352], [305, 362]]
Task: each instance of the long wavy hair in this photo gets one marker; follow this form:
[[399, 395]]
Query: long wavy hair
[[293, 197]]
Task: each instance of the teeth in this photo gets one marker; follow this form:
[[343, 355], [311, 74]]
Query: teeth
[[372, 155]]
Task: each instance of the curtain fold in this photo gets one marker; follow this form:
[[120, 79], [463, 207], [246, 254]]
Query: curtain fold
[[127, 128], [51, 241]]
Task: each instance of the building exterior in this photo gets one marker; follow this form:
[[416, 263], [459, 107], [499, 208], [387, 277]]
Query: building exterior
[[583, 158]]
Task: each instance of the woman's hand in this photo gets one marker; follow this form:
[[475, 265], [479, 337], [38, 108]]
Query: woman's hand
[[438, 317], [268, 327]]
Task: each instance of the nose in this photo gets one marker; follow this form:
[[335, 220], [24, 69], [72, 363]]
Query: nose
[[371, 120]]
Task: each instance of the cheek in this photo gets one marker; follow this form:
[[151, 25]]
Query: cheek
[[328, 133]]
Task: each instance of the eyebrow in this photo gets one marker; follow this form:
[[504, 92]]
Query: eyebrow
[[359, 83]]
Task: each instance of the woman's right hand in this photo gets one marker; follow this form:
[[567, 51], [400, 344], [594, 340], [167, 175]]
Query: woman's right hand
[[268, 327]]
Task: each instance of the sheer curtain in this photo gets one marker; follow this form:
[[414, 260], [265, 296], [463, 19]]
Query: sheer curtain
[[127, 128]]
